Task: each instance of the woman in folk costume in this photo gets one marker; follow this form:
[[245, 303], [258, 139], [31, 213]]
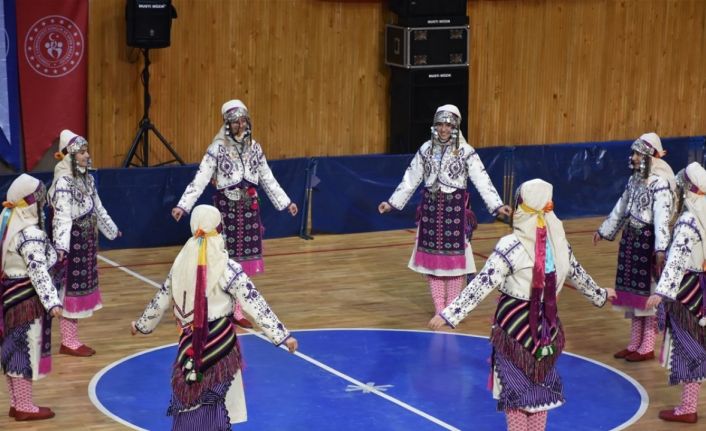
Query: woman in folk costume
[[681, 290], [643, 212], [443, 251], [529, 267], [77, 216], [29, 298], [236, 165], [207, 387]]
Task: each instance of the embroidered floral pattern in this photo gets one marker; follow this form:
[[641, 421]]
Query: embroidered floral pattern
[[228, 168], [448, 174], [73, 199], [237, 285], [32, 256], [680, 260], [642, 203]]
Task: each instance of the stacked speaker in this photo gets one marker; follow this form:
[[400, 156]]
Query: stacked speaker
[[427, 51]]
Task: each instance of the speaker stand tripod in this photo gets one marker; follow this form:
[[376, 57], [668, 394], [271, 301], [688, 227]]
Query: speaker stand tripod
[[146, 126]]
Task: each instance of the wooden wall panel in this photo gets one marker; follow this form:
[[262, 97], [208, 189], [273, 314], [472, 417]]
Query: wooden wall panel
[[591, 70], [310, 71], [312, 74]]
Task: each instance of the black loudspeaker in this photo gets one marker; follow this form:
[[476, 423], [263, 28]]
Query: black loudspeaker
[[415, 8], [149, 23], [426, 46], [414, 96]]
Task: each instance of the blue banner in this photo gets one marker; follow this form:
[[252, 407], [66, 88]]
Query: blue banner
[[10, 150]]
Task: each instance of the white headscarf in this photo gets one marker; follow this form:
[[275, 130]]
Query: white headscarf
[[695, 202], [453, 109], [536, 195], [69, 144], [21, 208], [205, 219], [659, 166]]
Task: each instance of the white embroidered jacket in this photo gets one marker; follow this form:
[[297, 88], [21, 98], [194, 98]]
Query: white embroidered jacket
[[641, 204], [74, 198], [449, 174], [685, 254], [234, 285], [509, 269], [223, 162], [31, 255]]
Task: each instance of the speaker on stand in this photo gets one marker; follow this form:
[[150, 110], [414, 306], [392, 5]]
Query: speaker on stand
[[427, 51], [149, 24]]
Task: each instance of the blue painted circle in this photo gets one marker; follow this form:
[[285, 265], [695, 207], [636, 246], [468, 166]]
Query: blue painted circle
[[442, 375]]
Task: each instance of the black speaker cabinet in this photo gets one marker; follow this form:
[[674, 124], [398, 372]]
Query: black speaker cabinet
[[408, 8], [414, 96], [419, 47], [149, 23]]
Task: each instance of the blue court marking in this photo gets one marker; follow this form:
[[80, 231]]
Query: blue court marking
[[370, 379]]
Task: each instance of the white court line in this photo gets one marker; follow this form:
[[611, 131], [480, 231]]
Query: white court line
[[298, 354], [644, 398], [368, 388], [129, 271]]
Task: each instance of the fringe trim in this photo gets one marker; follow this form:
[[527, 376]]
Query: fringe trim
[[686, 320], [252, 267], [433, 261], [223, 371], [79, 304], [633, 300], [524, 359], [24, 312]]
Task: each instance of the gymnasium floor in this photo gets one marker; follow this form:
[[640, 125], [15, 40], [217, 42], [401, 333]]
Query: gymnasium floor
[[366, 359]]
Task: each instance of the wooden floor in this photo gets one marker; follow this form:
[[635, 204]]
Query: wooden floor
[[358, 280]]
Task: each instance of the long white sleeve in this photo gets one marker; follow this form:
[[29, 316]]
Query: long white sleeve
[[686, 239], [243, 290], [413, 176], [492, 275], [105, 223], [203, 176], [274, 191], [616, 219], [32, 246], [480, 179], [155, 309], [62, 221], [579, 278]]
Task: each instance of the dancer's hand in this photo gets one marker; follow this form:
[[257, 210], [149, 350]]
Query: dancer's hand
[[437, 322], [120, 233], [292, 344], [60, 255], [653, 301], [177, 213], [57, 311], [659, 263], [610, 294], [292, 208], [505, 210], [384, 207], [133, 328], [596, 237]]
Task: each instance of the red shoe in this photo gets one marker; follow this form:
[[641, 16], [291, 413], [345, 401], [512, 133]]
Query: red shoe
[[670, 416], [639, 357], [244, 323], [622, 354], [11, 413], [43, 413], [82, 351]]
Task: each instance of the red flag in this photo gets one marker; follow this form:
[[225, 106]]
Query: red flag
[[52, 50]]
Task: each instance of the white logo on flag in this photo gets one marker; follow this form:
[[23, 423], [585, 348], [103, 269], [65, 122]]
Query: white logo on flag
[[4, 44], [54, 46]]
